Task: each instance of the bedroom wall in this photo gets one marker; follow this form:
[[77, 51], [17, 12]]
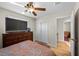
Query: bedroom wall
[[6, 13]]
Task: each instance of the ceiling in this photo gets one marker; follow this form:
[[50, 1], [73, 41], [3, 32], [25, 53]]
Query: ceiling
[[51, 7]]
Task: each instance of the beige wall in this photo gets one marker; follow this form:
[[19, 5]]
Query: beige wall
[[5, 13]]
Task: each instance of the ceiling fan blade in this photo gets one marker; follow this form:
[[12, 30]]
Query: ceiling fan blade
[[34, 13], [26, 10], [40, 9], [30, 3]]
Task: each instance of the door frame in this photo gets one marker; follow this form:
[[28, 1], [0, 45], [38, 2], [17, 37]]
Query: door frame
[[71, 17], [63, 17]]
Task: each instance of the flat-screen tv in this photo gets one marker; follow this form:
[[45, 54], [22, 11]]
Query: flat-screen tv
[[14, 24]]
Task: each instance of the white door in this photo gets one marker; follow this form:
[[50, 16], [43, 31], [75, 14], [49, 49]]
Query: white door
[[75, 34], [44, 32]]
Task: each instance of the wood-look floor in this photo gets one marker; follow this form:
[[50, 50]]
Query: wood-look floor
[[62, 49]]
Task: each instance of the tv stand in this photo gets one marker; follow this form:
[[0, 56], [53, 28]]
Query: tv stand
[[11, 38]]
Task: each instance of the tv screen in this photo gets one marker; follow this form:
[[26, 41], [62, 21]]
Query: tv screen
[[13, 24]]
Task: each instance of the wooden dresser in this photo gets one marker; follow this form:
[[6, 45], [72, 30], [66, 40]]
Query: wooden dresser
[[16, 37]]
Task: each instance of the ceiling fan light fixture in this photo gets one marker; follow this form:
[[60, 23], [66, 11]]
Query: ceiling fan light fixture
[[31, 10]]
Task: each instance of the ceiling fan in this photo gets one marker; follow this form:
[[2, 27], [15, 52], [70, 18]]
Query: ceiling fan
[[30, 7]]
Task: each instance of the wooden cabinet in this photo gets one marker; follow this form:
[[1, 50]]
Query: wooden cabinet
[[16, 37]]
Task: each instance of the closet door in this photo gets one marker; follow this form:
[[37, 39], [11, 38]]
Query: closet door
[[44, 32], [47, 32]]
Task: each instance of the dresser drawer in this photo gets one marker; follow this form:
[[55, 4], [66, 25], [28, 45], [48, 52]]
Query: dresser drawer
[[14, 38]]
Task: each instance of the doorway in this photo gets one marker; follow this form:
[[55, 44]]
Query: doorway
[[64, 28], [64, 31], [67, 30]]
